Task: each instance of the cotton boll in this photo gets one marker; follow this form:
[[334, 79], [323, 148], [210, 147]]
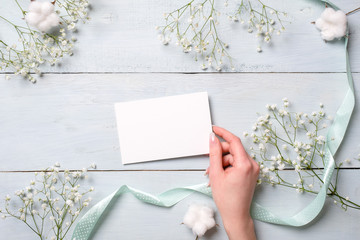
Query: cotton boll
[[33, 18], [53, 19], [199, 229], [189, 219], [47, 8], [42, 16], [199, 218], [209, 223], [44, 26], [332, 24], [207, 212], [35, 7]]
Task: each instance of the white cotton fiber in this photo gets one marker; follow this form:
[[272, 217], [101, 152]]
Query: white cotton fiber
[[199, 229], [53, 19], [199, 218], [332, 24], [42, 16], [44, 26], [35, 7], [33, 18], [47, 8]]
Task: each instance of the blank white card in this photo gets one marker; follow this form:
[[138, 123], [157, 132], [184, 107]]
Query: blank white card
[[163, 128]]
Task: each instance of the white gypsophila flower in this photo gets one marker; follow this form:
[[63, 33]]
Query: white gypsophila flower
[[332, 24], [199, 218], [70, 203], [42, 202], [281, 166], [42, 16]]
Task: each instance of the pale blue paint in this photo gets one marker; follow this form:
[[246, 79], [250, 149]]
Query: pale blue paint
[[69, 118]]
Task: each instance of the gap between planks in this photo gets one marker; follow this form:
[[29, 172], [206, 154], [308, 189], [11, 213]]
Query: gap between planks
[[50, 73], [150, 170]]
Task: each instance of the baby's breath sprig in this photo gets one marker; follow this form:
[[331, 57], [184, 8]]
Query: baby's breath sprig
[[51, 203], [285, 140], [195, 26], [262, 19], [36, 47], [198, 33]]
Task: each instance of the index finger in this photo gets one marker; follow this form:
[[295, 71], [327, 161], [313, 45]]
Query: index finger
[[236, 147]]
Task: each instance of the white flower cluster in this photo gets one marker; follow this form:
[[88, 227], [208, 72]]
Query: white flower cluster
[[199, 218], [195, 25], [39, 47], [54, 196], [42, 16], [285, 139], [261, 19], [332, 24]]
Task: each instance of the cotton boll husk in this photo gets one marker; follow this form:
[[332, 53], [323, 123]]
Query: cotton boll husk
[[44, 26], [47, 8], [33, 18], [199, 229], [35, 6], [53, 19]]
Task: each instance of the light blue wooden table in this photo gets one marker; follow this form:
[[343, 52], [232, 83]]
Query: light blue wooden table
[[68, 116]]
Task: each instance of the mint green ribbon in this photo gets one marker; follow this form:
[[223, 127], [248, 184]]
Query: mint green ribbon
[[335, 135]]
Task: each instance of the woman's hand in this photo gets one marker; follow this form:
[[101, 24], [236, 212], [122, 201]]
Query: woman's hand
[[233, 175]]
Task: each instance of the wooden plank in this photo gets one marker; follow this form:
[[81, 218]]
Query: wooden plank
[[131, 219], [70, 118], [121, 38]]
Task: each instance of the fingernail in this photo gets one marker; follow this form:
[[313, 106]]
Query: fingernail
[[212, 137], [206, 172]]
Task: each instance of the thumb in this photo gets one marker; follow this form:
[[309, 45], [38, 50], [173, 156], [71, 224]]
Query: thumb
[[216, 166]]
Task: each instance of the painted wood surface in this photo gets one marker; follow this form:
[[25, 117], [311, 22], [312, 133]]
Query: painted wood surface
[[121, 37], [68, 116], [131, 219]]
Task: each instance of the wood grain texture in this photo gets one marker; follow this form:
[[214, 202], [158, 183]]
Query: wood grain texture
[[131, 219], [121, 37], [70, 118]]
